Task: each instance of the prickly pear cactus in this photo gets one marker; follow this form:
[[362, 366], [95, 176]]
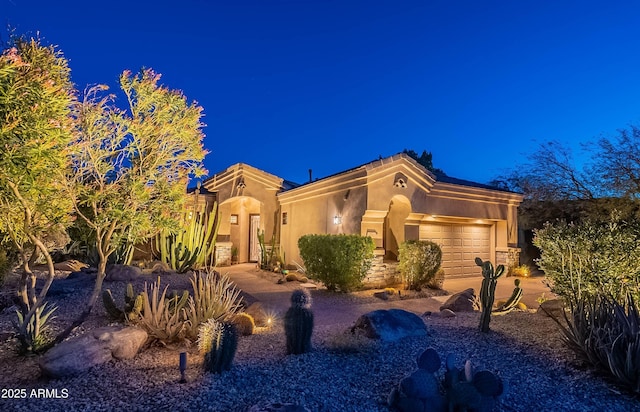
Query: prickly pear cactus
[[488, 290], [132, 304]]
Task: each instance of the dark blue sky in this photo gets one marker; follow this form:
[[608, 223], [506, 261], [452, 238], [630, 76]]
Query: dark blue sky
[[329, 85]]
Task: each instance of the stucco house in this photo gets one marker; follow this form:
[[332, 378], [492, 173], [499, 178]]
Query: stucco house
[[392, 200]]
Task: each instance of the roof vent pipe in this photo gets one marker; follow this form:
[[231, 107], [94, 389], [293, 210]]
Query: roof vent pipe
[[310, 176]]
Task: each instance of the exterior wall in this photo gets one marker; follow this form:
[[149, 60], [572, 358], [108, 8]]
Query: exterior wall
[[386, 199], [311, 209], [243, 190]]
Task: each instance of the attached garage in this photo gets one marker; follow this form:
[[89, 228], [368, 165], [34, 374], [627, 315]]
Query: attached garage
[[461, 244]]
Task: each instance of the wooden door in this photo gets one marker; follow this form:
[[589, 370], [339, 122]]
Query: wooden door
[[254, 245]]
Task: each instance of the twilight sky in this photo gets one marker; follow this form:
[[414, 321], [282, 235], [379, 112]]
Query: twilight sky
[[329, 85]]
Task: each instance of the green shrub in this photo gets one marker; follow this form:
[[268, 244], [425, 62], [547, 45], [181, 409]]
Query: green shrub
[[607, 334], [340, 262], [582, 260], [419, 262], [6, 265]]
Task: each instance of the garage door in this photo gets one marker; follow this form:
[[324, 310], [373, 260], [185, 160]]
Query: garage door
[[460, 244]]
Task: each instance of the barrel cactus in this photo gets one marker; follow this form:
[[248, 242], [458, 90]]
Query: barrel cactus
[[298, 323], [219, 342]]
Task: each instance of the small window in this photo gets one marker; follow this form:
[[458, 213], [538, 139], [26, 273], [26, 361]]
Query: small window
[[284, 218], [234, 219]]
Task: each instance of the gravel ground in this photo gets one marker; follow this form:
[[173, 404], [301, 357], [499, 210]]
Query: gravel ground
[[523, 348]]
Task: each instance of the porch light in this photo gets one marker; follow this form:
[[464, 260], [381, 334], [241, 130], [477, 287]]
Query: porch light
[[337, 220]]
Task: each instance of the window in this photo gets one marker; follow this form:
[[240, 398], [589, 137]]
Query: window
[[284, 218], [234, 219]]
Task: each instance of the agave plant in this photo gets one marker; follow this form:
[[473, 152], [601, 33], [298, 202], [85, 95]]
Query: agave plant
[[214, 297], [36, 337], [163, 318], [607, 334]]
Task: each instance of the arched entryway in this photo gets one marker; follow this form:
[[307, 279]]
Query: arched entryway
[[241, 217], [394, 222]]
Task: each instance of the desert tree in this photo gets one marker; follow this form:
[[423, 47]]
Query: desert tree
[[36, 96], [131, 165]]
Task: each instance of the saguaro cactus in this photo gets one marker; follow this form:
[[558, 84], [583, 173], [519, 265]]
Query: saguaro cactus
[[488, 290], [298, 323]]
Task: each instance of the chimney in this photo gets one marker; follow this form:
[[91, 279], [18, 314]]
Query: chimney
[[310, 176]]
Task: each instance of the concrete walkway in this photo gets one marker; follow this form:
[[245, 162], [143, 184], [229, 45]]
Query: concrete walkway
[[262, 287]]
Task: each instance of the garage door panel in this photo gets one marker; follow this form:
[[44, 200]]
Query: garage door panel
[[460, 244]]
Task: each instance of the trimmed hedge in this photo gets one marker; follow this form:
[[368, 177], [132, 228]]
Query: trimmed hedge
[[340, 262], [419, 262]]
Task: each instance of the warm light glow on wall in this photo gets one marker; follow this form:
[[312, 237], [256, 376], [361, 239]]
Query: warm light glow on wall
[[337, 220]]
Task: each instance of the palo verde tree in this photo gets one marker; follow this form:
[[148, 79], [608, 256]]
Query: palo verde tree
[[131, 166], [36, 95]]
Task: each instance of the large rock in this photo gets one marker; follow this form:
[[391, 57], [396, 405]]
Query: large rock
[[258, 314], [461, 301], [122, 273], [80, 354], [390, 325], [70, 266]]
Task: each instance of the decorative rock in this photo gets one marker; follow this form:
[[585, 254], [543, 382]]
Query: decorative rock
[[382, 295], [257, 312], [447, 313], [390, 325], [80, 354], [122, 273], [124, 343], [461, 301], [429, 360], [552, 307], [278, 407], [70, 266]]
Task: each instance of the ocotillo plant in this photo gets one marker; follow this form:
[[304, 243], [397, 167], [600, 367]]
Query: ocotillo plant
[[488, 290], [298, 323]]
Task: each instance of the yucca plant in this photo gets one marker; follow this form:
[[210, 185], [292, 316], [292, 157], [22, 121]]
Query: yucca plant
[[607, 334], [165, 320], [214, 297], [36, 337]]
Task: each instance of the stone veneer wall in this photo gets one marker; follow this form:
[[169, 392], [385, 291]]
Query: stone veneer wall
[[382, 273], [223, 253], [509, 257]]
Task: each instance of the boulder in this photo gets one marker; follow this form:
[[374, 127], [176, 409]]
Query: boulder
[[79, 354], [447, 313], [122, 273], [258, 313], [70, 266], [461, 301], [124, 343], [390, 325], [552, 307]]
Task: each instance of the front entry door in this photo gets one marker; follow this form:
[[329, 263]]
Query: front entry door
[[254, 245]]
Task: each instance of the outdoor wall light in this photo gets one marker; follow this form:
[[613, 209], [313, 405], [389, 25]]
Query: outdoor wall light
[[337, 220]]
